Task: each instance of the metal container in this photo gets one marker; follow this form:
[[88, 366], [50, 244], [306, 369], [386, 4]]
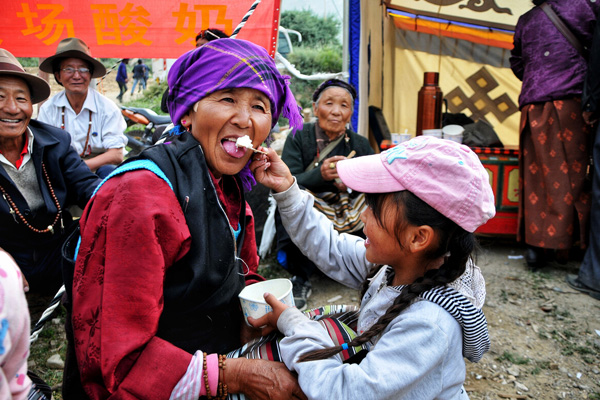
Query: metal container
[[429, 109]]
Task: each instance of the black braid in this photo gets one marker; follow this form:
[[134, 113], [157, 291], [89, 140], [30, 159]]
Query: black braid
[[452, 238]]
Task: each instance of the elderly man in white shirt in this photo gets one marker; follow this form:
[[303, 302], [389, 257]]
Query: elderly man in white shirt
[[94, 122]]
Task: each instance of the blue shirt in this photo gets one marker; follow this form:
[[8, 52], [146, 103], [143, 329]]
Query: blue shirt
[[122, 73]]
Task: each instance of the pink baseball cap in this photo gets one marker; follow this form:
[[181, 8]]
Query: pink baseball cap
[[444, 174]]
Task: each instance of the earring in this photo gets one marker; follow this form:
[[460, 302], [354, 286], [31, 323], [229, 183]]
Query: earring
[[183, 121]]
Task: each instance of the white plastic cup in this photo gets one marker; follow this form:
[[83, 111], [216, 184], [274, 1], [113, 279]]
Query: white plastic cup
[[395, 138], [405, 137], [433, 132], [453, 132], [253, 301]]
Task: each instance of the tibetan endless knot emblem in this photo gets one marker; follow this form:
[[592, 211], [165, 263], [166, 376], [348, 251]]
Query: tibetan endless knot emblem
[[480, 103]]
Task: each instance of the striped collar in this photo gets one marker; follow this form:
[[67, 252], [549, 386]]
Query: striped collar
[[476, 341]]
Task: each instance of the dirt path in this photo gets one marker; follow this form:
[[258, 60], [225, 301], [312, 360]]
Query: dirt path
[[545, 336]]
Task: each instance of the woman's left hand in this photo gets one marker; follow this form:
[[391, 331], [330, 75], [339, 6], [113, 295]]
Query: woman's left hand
[[268, 322], [248, 333]]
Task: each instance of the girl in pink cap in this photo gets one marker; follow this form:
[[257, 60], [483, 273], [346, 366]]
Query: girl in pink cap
[[422, 295]]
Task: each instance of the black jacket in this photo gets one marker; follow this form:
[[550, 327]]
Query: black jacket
[[73, 184], [201, 308], [591, 88]]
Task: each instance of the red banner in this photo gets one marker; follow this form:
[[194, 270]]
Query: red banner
[[130, 29]]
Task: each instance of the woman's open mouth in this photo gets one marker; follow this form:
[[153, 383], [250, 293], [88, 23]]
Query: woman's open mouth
[[232, 149]]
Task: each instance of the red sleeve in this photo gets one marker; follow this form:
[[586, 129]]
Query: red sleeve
[[132, 231], [249, 251]]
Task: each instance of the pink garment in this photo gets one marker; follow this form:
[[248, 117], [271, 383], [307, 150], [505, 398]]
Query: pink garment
[[14, 331]]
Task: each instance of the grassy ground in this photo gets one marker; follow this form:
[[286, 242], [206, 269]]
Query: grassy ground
[[51, 341]]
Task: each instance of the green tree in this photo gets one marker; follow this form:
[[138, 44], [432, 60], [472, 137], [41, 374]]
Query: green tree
[[312, 61], [316, 31], [319, 52]]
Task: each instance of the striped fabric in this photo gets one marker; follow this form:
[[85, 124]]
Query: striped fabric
[[36, 394], [340, 322], [336, 319], [474, 325], [341, 209]]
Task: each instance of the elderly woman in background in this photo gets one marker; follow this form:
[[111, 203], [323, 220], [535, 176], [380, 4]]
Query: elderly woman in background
[[554, 205], [168, 244], [94, 121], [40, 177], [312, 155]]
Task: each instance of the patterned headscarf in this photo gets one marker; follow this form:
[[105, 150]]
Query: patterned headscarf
[[225, 64], [334, 83]]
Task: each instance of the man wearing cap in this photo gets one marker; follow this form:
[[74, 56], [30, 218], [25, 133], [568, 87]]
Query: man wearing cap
[[94, 122], [41, 175]]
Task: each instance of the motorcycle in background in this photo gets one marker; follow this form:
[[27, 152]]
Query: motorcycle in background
[[153, 126]]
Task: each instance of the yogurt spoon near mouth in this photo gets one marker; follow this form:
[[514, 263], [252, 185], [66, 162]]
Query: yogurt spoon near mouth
[[244, 141]]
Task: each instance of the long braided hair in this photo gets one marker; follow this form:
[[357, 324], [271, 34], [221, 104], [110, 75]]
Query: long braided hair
[[452, 239]]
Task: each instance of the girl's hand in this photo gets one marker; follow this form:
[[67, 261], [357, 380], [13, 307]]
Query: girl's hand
[[268, 322], [271, 171]]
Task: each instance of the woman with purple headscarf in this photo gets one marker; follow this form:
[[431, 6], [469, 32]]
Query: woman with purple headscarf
[[167, 243]]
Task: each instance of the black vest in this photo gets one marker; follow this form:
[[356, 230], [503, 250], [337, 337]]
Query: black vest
[[201, 307]]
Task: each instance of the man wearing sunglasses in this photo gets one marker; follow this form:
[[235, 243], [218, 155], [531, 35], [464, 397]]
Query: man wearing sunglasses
[[93, 121]]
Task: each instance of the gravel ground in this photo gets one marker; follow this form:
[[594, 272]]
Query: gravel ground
[[545, 336]]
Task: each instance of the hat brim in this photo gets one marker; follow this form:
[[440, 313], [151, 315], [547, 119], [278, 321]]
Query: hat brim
[[39, 88], [99, 68], [367, 174]]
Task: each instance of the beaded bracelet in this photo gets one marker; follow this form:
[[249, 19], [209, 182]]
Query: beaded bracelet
[[205, 369], [222, 389]]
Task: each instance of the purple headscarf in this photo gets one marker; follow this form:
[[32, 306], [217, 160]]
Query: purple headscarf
[[225, 64]]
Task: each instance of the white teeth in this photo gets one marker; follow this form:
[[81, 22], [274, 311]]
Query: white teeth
[[10, 120]]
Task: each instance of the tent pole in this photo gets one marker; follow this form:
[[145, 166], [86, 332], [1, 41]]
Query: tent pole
[[345, 41]]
